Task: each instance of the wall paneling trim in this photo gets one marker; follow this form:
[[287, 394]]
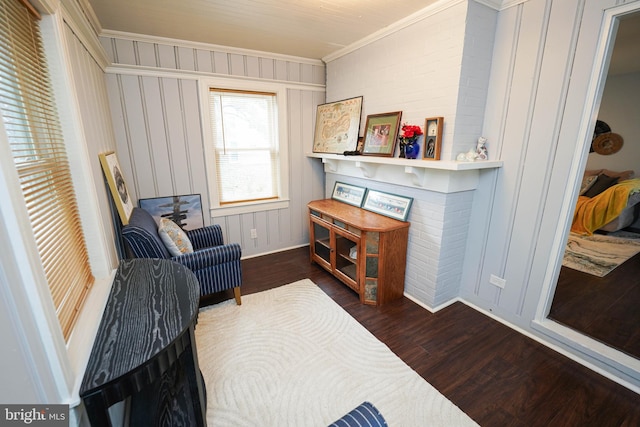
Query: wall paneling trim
[[156, 109]]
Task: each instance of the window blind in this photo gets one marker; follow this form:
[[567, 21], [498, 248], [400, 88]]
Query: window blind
[[32, 126], [245, 133]]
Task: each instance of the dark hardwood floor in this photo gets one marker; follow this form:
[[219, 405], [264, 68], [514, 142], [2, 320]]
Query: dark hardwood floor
[[494, 374], [604, 308]]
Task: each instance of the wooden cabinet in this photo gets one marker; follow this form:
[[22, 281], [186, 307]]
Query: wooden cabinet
[[366, 251]]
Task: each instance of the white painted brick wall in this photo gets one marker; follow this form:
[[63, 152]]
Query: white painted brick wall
[[474, 79], [437, 238], [415, 70], [436, 67], [439, 66]]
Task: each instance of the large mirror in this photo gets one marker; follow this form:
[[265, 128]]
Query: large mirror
[[598, 289]]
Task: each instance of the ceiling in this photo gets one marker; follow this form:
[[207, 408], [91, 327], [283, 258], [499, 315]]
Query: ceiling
[[304, 28]]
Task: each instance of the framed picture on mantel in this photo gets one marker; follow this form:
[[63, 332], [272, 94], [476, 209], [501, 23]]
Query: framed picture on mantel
[[337, 126], [381, 134], [432, 138]]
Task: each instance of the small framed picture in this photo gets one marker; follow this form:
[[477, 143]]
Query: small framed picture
[[115, 179], [387, 204], [432, 138], [348, 193], [381, 134], [337, 126], [184, 210]]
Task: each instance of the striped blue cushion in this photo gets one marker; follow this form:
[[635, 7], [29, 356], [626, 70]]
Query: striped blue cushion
[[217, 268], [142, 236], [206, 237], [365, 415]]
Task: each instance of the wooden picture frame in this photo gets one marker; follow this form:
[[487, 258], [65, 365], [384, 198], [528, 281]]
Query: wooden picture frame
[[337, 126], [347, 193], [381, 134], [387, 204], [115, 179], [185, 210], [432, 138]]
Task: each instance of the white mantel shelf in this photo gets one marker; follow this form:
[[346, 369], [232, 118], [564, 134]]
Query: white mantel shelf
[[435, 175]]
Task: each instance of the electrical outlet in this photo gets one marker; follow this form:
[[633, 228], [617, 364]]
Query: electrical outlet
[[254, 233], [498, 281]]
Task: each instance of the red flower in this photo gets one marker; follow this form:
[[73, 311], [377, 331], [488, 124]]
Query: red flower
[[410, 131]]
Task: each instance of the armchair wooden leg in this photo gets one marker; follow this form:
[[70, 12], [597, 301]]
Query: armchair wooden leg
[[236, 294]]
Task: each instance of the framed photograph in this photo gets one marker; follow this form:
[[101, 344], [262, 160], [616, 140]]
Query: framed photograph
[[387, 204], [432, 138], [185, 210], [337, 126], [348, 193], [381, 134], [115, 179]]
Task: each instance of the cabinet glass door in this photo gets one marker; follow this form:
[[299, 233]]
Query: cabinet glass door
[[346, 265], [322, 242]]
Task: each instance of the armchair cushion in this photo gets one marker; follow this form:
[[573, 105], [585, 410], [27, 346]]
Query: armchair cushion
[[364, 415], [174, 238], [209, 257], [206, 237], [142, 236]]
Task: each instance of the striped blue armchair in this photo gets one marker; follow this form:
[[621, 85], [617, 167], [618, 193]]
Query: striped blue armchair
[[216, 265]]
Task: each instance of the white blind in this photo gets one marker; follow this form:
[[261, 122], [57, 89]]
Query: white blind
[[245, 131], [30, 118]]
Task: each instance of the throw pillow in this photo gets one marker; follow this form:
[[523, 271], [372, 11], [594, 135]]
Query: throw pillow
[[587, 183], [174, 238], [620, 175], [602, 183]]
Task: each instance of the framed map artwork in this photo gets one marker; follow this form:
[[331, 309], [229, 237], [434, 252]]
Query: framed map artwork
[[337, 126]]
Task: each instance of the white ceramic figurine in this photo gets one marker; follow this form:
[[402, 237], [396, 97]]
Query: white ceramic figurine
[[481, 149]]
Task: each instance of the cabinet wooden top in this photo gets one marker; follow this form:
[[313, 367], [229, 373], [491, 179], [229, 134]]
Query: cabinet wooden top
[[356, 217]]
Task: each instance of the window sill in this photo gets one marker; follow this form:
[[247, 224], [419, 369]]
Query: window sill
[[84, 333], [243, 208]]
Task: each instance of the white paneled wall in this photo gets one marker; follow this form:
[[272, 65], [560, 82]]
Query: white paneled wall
[[541, 97], [95, 135], [153, 89]]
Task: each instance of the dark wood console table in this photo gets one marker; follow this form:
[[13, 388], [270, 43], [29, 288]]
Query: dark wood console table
[[145, 348]]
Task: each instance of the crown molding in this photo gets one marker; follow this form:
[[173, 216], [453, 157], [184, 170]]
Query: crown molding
[[500, 4], [90, 15], [207, 46], [418, 16], [76, 17], [506, 4], [493, 4]]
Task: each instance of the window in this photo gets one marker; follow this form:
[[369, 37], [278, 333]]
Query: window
[[246, 149], [35, 137]]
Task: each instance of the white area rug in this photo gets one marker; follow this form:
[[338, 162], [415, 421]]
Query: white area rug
[[291, 356], [598, 254]]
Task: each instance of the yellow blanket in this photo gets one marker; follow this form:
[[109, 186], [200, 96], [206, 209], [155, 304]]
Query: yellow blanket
[[593, 213]]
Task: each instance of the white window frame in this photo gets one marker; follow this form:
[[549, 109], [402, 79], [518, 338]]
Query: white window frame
[[215, 207]]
